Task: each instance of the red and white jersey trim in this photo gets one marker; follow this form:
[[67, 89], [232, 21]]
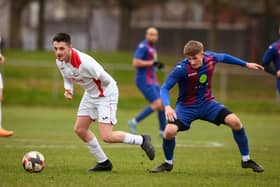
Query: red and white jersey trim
[[86, 72]]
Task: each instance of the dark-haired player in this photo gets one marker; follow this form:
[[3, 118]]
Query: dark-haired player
[[99, 102]]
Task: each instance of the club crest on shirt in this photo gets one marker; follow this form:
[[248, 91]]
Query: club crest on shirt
[[75, 72]]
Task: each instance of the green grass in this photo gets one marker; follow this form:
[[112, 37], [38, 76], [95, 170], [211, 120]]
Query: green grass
[[32, 79], [197, 161]]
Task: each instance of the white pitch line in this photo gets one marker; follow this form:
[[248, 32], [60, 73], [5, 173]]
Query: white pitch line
[[118, 145]]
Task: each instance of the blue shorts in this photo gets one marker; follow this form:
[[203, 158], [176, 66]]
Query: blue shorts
[[150, 92], [207, 111]]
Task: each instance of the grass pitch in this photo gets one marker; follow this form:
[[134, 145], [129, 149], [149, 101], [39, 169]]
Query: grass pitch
[[205, 156]]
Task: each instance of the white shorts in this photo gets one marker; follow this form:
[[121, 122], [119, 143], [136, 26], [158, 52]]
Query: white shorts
[[1, 82], [102, 108]]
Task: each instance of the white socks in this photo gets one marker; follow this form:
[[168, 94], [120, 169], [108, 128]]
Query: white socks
[[132, 139], [169, 162], [245, 158], [96, 150]]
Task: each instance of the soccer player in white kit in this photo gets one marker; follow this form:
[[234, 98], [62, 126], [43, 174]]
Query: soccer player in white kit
[[99, 102], [3, 132]]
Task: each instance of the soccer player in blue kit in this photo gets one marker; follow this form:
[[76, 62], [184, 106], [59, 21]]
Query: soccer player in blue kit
[[145, 61], [193, 75], [273, 54]]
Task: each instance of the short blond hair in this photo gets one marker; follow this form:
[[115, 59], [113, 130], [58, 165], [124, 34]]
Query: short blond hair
[[193, 48]]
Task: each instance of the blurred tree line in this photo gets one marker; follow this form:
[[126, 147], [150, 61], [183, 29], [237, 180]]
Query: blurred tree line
[[126, 9]]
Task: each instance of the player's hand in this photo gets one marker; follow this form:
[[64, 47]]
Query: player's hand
[[278, 74], [254, 66], [159, 65], [170, 113], [2, 59], [68, 94]]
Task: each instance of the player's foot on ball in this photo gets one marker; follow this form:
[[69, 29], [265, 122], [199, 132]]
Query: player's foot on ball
[[148, 147], [253, 165], [103, 166], [5, 133], [161, 168], [132, 126]]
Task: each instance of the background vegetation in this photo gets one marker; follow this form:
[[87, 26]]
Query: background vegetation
[[32, 79]]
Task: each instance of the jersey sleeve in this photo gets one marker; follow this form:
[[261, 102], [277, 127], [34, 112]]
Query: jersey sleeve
[[95, 71], [141, 51], [171, 80], [68, 85], [229, 59], [268, 55]]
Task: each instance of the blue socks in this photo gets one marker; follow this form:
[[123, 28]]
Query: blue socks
[[147, 111], [242, 141], [168, 148], [162, 121]]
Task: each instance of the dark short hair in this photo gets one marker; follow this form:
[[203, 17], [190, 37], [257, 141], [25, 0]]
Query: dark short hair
[[62, 37]]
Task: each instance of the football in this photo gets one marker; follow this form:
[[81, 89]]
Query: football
[[33, 162]]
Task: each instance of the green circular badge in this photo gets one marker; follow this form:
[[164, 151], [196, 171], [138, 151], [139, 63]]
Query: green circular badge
[[203, 78]]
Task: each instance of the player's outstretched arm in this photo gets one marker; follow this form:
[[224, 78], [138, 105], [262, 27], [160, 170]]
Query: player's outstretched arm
[[254, 66]]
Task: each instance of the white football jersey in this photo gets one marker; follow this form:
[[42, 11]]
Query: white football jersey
[[86, 72]]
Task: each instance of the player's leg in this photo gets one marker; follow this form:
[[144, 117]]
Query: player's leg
[[107, 109], [162, 122], [1, 98], [86, 114], [132, 123], [240, 137], [81, 128], [109, 136], [217, 113], [3, 132], [147, 91], [151, 93], [161, 113], [168, 145], [184, 118]]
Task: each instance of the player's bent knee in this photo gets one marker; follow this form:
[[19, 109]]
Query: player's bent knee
[[233, 122], [157, 105], [170, 131], [80, 131]]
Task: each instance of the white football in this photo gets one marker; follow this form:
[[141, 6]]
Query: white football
[[33, 162]]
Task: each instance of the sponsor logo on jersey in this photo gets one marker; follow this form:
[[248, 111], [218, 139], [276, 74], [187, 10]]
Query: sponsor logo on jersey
[[203, 78], [192, 74]]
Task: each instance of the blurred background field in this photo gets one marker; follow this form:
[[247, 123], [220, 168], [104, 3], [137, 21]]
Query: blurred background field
[[35, 109], [31, 79]]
